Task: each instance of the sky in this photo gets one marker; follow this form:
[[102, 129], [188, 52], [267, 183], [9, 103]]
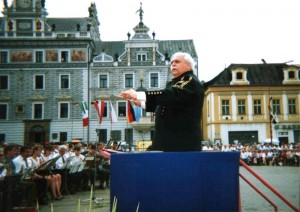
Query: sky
[[224, 31]]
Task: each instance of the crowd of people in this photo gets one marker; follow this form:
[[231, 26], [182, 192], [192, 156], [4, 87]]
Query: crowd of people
[[43, 173], [37, 174], [263, 154]]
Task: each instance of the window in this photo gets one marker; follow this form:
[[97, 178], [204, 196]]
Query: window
[[103, 81], [292, 106], [2, 137], [257, 106], [128, 80], [4, 82], [141, 57], [64, 110], [3, 111], [19, 109], [276, 106], [38, 110], [129, 135], [105, 110], [63, 136], [39, 56], [64, 56], [154, 79], [39, 82], [102, 135], [208, 109], [291, 74], [241, 107], [121, 109], [64, 81], [225, 107], [239, 75], [3, 57]]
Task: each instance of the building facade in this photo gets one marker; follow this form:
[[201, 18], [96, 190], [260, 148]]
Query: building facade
[[249, 103], [49, 66]]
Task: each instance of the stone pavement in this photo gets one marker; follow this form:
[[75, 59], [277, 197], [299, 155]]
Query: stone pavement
[[284, 179]]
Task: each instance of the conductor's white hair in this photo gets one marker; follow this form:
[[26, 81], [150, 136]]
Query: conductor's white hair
[[187, 58]]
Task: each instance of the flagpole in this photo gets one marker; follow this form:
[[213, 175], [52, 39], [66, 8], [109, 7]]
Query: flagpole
[[269, 106], [88, 105]]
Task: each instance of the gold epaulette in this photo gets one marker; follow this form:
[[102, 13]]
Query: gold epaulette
[[183, 82]]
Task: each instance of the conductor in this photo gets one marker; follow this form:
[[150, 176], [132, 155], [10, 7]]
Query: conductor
[[178, 108]]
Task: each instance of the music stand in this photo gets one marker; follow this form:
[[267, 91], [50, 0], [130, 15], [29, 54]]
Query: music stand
[[95, 199]]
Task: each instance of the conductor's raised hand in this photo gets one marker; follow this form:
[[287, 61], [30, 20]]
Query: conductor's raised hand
[[129, 94]]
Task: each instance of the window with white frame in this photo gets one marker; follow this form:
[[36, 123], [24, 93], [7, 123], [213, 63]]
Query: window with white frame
[[154, 80], [292, 106], [3, 111], [257, 106], [122, 109], [241, 106], [64, 81], [103, 80], [63, 136], [64, 56], [276, 106], [3, 82], [64, 108], [3, 57], [39, 82], [39, 56], [141, 56], [225, 107], [38, 110], [128, 80]]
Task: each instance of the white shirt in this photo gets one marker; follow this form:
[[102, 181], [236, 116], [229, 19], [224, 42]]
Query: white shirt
[[20, 164], [33, 163], [60, 162]]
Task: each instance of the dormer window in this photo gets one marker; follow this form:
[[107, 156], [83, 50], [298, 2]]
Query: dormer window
[[291, 75], [141, 57], [239, 76]]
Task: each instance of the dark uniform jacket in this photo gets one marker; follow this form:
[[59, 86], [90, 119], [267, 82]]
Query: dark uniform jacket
[[178, 112]]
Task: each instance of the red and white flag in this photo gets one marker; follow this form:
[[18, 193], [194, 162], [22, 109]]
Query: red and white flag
[[99, 106], [113, 116]]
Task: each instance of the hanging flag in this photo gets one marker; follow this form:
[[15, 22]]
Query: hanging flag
[[130, 112], [275, 119], [99, 106], [85, 114], [137, 112], [113, 116]]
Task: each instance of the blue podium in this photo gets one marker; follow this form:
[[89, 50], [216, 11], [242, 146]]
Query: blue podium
[[175, 181]]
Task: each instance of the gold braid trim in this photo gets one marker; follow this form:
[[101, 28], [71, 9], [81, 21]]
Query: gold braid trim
[[180, 84]]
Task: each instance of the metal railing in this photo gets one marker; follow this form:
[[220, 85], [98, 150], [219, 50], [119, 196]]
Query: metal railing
[[242, 163]]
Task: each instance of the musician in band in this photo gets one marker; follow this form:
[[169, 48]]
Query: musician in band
[[35, 186], [53, 180]]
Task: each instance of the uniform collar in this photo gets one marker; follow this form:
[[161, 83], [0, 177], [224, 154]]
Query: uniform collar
[[182, 75]]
